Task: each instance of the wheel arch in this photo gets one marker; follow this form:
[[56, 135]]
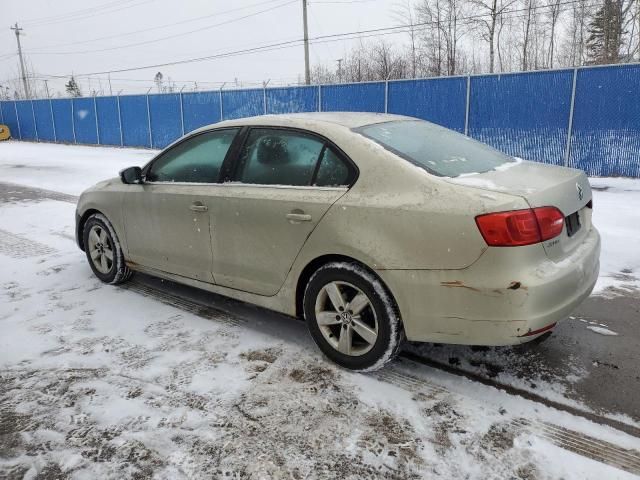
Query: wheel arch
[[82, 220], [318, 262]]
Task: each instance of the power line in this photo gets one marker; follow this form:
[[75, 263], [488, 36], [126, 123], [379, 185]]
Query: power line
[[146, 42], [136, 32], [319, 39], [91, 13], [76, 12]]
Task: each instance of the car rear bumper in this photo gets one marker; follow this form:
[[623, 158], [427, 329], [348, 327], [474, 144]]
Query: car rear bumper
[[509, 296]]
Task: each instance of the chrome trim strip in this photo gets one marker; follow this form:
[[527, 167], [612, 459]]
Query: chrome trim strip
[[252, 185]]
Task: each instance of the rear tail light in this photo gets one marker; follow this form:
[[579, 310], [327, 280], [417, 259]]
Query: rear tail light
[[550, 221], [520, 227]]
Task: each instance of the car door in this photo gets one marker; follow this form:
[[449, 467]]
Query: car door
[[167, 218], [284, 182]]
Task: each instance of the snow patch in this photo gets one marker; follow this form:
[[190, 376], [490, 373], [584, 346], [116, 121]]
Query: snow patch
[[602, 331]]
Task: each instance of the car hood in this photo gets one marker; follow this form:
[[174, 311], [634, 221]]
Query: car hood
[[104, 184]]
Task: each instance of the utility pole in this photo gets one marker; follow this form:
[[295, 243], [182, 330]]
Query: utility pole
[[46, 87], [17, 30], [307, 73], [339, 70], [110, 90]]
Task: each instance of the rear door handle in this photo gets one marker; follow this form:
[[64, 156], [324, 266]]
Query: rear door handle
[[198, 207], [298, 217]]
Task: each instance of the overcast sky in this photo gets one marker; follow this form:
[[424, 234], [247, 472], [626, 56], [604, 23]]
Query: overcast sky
[[87, 36]]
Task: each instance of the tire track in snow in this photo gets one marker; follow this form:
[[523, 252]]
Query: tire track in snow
[[576, 442], [14, 192], [204, 311], [587, 446], [17, 246], [615, 424]]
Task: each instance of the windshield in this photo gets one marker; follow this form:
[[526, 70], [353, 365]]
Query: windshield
[[437, 149]]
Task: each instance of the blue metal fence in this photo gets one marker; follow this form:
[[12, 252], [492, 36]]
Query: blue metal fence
[[587, 118]]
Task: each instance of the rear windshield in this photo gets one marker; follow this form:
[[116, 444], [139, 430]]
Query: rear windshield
[[437, 149]]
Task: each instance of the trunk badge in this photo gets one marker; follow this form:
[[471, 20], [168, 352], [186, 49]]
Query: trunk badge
[[580, 193]]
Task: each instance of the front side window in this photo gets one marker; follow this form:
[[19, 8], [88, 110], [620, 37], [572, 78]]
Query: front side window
[[437, 149], [196, 160], [279, 157]]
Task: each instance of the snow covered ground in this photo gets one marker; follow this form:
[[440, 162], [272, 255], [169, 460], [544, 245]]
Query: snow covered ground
[[109, 382]]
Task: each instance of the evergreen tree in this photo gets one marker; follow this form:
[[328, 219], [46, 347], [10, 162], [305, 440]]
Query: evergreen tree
[[159, 79], [72, 87], [605, 33]]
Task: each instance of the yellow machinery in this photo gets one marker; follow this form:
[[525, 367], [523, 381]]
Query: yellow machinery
[[4, 132]]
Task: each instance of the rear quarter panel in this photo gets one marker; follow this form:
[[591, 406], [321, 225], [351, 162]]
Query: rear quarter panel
[[397, 216]]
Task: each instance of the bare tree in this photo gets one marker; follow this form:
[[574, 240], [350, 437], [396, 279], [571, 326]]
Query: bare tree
[[442, 33], [405, 12], [574, 43], [554, 13], [529, 20], [322, 74], [489, 11], [430, 13]]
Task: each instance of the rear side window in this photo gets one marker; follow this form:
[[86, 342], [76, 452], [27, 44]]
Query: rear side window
[[333, 171], [196, 160], [279, 157], [437, 149]]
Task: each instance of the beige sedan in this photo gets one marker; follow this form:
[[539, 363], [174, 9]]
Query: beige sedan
[[374, 228]]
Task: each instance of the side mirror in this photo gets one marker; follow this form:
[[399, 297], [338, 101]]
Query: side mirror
[[131, 175]]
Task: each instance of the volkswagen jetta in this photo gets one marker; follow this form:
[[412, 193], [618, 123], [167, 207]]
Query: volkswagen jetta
[[374, 228]]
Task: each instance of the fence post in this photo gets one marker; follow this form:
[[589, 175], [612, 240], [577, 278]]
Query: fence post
[[386, 96], [1, 114], [95, 112], [466, 109], [15, 107], [567, 149], [35, 126], [120, 121], [53, 122], [149, 122], [319, 98], [181, 112], [221, 109], [73, 121], [264, 100]]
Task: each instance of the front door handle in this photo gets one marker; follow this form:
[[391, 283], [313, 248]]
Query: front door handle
[[298, 217], [198, 207]]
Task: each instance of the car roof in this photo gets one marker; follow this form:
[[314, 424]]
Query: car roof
[[312, 119]]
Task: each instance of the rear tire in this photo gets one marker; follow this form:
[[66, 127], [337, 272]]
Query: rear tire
[[352, 317], [103, 250]]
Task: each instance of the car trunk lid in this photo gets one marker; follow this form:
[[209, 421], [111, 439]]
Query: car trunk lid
[[543, 185]]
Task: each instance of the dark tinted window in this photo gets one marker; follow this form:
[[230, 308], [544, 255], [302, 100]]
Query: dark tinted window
[[279, 157], [333, 171], [196, 160], [437, 149]]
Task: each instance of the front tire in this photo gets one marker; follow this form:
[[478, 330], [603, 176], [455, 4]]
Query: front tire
[[352, 317], [103, 250]]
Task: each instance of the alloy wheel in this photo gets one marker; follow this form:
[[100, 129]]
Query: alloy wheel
[[346, 318], [101, 249]]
